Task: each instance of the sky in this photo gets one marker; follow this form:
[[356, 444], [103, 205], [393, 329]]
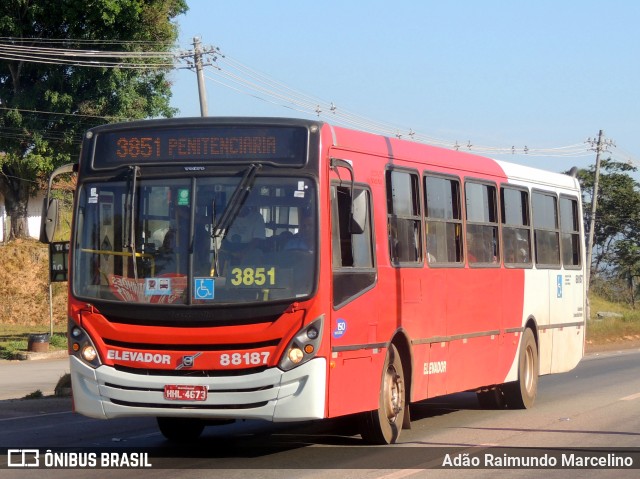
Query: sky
[[541, 74]]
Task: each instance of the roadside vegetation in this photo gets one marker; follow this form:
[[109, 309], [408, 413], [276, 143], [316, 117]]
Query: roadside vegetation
[[611, 324], [24, 298], [24, 305]]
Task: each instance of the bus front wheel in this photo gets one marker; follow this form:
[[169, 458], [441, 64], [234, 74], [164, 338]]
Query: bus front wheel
[[383, 425], [521, 394]]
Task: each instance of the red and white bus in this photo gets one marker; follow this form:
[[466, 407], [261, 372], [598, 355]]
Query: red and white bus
[[291, 270]]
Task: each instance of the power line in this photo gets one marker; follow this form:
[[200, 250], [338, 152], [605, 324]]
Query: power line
[[232, 74], [88, 58]]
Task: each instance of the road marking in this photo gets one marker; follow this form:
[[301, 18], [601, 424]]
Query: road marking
[[401, 474], [35, 416], [631, 398]]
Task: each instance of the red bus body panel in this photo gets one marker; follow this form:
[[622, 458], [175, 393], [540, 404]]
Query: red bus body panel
[[427, 303]]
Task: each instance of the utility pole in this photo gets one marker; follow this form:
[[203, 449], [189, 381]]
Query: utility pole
[[197, 56], [600, 145]]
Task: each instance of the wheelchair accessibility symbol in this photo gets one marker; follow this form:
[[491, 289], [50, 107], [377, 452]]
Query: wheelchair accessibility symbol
[[203, 288]]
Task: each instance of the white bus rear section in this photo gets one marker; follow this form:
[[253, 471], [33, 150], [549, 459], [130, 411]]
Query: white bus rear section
[[553, 298]]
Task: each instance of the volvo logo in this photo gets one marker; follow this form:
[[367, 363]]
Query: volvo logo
[[188, 361]]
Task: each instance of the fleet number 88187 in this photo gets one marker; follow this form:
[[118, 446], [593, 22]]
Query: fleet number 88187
[[244, 359]]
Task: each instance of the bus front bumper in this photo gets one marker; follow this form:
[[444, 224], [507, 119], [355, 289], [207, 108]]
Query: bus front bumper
[[272, 395]]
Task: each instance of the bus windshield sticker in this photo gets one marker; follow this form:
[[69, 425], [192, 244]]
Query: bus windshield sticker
[[161, 286], [133, 290], [183, 197], [204, 288]]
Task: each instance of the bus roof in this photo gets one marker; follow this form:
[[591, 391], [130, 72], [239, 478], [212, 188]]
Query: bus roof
[[466, 163]]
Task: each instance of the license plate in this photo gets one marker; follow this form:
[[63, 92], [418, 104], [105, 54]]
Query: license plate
[[176, 392]]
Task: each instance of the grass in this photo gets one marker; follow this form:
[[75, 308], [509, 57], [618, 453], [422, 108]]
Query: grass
[[14, 340], [607, 330]]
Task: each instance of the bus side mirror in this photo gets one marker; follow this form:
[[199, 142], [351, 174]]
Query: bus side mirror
[[49, 220], [358, 221]]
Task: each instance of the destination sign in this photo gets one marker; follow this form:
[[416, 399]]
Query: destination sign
[[278, 145]]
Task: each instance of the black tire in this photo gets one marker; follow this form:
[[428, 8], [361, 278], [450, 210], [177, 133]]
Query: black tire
[[491, 398], [521, 394], [177, 429], [383, 425]]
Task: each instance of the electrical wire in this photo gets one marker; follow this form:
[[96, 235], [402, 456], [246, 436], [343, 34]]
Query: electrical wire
[[232, 74], [88, 58]]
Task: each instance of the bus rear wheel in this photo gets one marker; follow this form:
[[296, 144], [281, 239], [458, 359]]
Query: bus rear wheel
[[383, 425], [178, 429], [521, 394]]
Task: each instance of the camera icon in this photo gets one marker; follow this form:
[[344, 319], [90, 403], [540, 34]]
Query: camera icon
[[23, 458]]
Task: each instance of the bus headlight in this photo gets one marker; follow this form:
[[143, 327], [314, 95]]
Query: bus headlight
[[81, 346], [89, 353], [303, 346], [296, 355]]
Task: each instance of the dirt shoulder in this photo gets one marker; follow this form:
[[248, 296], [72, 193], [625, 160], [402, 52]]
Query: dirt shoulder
[[629, 342]]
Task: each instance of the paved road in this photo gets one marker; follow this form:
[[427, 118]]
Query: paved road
[[594, 406], [19, 378]]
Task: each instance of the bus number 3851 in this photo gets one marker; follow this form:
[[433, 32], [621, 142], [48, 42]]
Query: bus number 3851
[[243, 359], [253, 276]]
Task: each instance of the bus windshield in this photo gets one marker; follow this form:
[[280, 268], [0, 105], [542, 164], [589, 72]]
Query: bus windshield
[[191, 241]]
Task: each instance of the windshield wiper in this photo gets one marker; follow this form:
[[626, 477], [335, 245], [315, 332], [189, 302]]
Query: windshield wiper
[[135, 171], [235, 202]]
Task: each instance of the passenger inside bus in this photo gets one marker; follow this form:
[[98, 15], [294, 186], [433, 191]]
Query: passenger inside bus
[[247, 226], [244, 240], [174, 252], [303, 239]]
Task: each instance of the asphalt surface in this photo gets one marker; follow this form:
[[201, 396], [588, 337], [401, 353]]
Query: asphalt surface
[[21, 378]]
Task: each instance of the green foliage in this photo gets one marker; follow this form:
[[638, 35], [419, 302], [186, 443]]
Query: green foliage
[[616, 255], [58, 341], [15, 340], [625, 326], [37, 394], [46, 107], [9, 349]]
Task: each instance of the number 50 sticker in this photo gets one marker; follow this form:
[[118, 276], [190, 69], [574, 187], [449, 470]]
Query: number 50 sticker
[[341, 328]]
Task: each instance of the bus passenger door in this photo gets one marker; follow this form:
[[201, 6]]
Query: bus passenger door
[[356, 356]]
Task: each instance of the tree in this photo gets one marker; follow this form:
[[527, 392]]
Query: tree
[[627, 266], [617, 225], [45, 107]]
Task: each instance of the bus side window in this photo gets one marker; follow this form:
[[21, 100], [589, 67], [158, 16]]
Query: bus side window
[[570, 230], [546, 231], [404, 218], [444, 220], [353, 262], [483, 246], [516, 224]]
